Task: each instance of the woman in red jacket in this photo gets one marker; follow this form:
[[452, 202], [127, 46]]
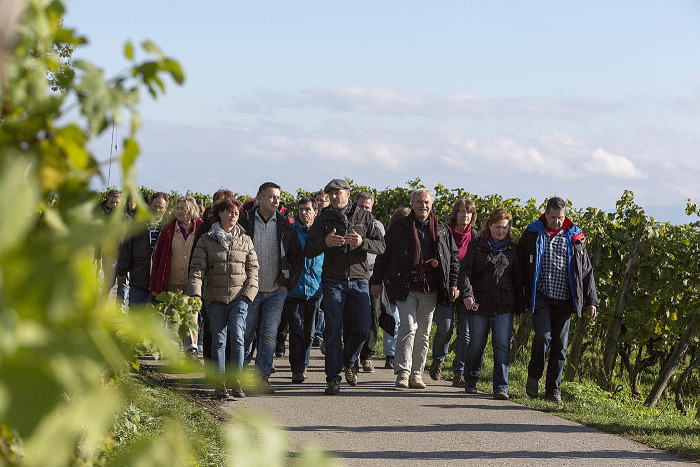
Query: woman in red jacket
[[171, 259]]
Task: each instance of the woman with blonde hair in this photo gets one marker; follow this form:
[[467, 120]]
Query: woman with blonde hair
[[489, 282], [171, 258]]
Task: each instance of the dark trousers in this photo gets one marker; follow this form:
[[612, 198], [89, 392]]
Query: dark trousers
[[354, 328], [369, 349], [550, 321], [301, 316], [282, 332]]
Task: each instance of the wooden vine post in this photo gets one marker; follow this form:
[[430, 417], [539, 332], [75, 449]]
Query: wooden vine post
[[611, 340]]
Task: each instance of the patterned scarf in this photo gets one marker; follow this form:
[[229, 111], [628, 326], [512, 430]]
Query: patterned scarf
[[343, 214], [225, 238]]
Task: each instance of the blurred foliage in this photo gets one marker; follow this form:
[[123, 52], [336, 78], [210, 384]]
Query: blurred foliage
[[61, 339]]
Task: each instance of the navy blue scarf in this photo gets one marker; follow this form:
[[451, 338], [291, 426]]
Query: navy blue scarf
[[495, 246]]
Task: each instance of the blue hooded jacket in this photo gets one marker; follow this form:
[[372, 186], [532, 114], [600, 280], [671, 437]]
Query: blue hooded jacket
[[581, 280], [309, 285]]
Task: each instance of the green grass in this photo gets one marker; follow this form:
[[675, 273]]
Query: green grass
[[150, 407], [662, 427]]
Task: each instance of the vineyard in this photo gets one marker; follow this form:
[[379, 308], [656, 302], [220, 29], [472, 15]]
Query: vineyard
[[65, 345], [648, 284]]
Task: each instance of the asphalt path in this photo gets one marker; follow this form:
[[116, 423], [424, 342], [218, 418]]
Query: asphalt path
[[375, 423]]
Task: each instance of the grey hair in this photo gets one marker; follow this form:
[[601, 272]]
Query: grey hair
[[555, 203], [415, 193], [364, 195]]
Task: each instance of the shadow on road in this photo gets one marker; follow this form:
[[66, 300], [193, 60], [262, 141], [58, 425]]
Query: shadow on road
[[605, 456], [504, 428]]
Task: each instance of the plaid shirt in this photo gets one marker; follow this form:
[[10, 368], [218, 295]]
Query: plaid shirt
[[554, 278]]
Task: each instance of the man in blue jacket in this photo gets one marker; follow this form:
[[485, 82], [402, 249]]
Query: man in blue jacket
[[558, 279], [303, 302]]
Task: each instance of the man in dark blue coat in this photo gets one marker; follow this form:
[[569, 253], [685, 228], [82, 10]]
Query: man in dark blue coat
[[345, 234]]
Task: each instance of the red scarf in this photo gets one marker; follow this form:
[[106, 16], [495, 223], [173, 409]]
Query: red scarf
[[160, 265], [414, 246], [552, 233], [462, 239]]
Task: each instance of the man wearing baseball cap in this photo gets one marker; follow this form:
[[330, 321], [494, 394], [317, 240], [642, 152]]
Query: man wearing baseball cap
[[345, 234]]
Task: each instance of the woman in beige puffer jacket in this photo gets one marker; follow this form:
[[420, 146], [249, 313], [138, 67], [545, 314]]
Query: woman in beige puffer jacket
[[224, 272]]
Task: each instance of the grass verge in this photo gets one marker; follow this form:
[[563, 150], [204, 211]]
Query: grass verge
[[151, 407]]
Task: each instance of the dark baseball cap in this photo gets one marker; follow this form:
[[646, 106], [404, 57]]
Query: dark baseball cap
[[337, 184]]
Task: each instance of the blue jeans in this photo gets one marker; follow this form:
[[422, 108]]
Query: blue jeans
[[358, 317], [264, 316], [501, 327], [301, 315], [227, 319], [123, 291], [320, 324], [390, 341], [444, 318], [139, 296], [550, 321]]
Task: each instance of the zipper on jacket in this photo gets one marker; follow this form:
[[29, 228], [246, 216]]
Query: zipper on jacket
[[228, 272]]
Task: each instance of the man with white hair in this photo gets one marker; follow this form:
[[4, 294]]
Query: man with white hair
[[420, 268], [345, 234]]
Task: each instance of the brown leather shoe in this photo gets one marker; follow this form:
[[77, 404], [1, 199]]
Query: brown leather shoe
[[458, 381], [367, 365], [555, 398], [435, 370]]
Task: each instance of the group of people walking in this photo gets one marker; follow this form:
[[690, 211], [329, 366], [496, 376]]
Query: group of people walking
[[253, 265]]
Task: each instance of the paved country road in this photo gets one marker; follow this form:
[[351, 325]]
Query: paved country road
[[376, 424]]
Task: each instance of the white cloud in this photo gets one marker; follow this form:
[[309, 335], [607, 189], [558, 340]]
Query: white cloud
[[604, 163], [386, 101], [593, 168], [688, 104]]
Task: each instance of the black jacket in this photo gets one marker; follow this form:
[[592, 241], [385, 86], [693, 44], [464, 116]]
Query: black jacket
[[492, 280], [394, 266], [135, 258], [291, 258], [344, 262]]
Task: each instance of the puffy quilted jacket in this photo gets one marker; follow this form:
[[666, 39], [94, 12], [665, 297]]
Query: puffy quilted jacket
[[223, 274]]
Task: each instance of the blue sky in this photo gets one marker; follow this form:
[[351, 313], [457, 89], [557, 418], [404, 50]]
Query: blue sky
[[525, 99]]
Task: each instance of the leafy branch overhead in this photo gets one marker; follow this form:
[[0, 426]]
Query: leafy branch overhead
[[62, 339]]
